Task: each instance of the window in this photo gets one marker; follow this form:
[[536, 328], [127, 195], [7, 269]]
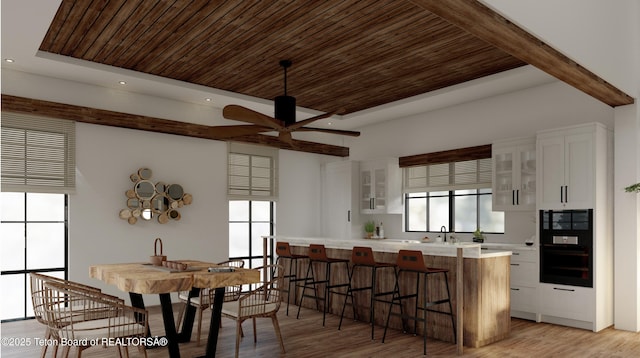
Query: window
[[454, 194], [33, 239], [458, 210], [248, 222], [252, 192], [38, 171]]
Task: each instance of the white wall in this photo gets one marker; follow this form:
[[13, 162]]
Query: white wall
[[106, 156], [298, 207], [600, 35], [627, 219]]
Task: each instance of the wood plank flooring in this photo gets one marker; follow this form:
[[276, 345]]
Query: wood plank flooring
[[306, 337]]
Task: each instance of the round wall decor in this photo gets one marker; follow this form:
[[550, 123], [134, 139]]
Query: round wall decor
[[148, 200]]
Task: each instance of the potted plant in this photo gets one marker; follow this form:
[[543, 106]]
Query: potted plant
[[635, 188], [369, 228], [478, 236]]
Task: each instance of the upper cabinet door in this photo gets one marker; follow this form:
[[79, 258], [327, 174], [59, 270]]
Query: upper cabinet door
[[380, 187], [551, 172], [566, 169], [579, 175], [514, 175]]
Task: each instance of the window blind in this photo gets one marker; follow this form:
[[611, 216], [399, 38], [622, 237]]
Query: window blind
[[468, 174], [38, 154], [252, 172]]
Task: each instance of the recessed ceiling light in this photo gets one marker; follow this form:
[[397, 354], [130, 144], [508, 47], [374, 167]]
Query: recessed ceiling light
[[10, 60], [329, 123], [122, 82], [208, 99]]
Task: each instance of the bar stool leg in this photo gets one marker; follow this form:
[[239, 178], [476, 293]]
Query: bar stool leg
[[304, 289], [453, 321], [349, 294], [396, 296], [424, 315], [372, 308], [326, 293]]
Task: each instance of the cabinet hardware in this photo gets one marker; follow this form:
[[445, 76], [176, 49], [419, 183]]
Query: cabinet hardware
[[515, 289], [564, 289], [515, 264], [566, 197], [517, 197], [561, 195], [515, 253], [348, 215]]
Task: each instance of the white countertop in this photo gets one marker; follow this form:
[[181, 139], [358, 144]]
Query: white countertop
[[470, 249]]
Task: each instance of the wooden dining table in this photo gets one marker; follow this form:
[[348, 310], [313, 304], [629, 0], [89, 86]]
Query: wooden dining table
[[142, 278]]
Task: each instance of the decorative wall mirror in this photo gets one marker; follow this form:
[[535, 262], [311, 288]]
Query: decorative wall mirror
[[148, 200]]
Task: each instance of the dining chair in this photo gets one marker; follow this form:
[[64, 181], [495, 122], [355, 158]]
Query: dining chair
[[37, 299], [83, 318], [205, 298], [262, 302]]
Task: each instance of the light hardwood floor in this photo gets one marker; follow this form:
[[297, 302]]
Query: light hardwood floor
[[306, 337]]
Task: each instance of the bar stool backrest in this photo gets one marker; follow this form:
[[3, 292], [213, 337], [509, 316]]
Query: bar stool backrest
[[411, 260], [317, 252], [283, 249], [362, 256]]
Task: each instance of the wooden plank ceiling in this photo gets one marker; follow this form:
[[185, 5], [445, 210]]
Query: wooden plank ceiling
[[346, 54]]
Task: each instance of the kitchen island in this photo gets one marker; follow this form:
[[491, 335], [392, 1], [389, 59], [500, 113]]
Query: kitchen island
[[486, 292]]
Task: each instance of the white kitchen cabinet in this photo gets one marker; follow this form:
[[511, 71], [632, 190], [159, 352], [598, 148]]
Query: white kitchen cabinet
[[566, 167], [575, 166], [380, 187], [560, 302], [514, 174], [340, 211], [524, 283]]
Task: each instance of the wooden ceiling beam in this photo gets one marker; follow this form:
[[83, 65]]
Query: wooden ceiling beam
[[488, 25], [152, 124]]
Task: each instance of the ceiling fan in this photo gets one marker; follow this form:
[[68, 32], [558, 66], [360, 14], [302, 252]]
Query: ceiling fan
[[283, 122]]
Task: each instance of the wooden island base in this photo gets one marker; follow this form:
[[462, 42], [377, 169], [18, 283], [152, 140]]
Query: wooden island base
[[486, 296]]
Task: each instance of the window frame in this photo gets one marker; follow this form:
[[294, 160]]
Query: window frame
[[451, 213], [25, 271], [270, 250]]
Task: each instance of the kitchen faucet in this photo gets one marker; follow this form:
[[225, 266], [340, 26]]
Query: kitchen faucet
[[443, 229]]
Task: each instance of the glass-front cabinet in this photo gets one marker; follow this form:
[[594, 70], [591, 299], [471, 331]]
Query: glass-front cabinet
[[514, 171], [380, 187]]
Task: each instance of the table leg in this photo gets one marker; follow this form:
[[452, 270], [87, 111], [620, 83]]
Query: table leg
[[216, 315], [169, 325], [138, 302], [189, 318]]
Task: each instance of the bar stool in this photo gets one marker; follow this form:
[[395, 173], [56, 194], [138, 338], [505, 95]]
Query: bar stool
[[283, 251], [318, 255], [413, 261], [363, 257]]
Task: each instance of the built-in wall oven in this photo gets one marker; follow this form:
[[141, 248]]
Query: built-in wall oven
[[566, 247]]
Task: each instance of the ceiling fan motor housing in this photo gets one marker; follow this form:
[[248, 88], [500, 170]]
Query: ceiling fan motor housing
[[285, 109]]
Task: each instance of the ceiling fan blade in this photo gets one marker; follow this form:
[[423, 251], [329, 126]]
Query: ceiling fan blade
[[299, 124], [239, 113], [224, 132], [331, 131]]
